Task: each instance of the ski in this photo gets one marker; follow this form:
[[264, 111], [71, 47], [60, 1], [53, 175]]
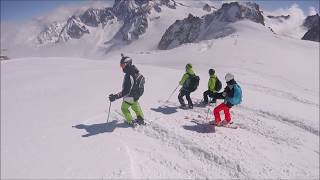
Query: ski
[[200, 120]]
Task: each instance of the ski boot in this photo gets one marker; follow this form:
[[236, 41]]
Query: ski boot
[[140, 121], [183, 106], [132, 123]]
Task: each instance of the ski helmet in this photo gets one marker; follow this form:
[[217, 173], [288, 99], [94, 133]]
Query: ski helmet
[[211, 71], [229, 77], [125, 60]]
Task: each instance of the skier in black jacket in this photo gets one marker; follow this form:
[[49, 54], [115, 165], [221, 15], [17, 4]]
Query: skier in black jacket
[[130, 91]]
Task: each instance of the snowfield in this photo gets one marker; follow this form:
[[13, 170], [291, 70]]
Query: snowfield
[[54, 114]]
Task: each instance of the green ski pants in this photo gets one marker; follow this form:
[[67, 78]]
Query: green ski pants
[[135, 107]]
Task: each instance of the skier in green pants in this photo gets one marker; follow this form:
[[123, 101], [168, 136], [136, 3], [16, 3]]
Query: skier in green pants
[[132, 90]]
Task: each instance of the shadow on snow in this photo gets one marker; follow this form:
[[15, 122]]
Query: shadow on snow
[[200, 128], [95, 129], [165, 109]]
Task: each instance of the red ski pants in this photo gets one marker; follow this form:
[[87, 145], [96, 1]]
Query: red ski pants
[[216, 113]]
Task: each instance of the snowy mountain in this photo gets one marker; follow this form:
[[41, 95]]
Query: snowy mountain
[[123, 25], [211, 26], [313, 25], [132, 13]]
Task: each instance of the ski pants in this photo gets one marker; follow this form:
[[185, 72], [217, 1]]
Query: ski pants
[[211, 94], [135, 107], [216, 112], [186, 93]]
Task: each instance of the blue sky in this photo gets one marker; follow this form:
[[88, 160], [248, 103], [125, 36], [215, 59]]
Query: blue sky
[[21, 10], [303, 4]]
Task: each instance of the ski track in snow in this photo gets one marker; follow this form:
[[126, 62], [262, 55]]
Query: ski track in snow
[[191, 150], [131, 156], [188, 150], [278, 117], [279, 93]]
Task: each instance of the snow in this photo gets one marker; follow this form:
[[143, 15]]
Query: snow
[[54, 113]]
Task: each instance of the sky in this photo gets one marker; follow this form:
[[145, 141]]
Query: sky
[[21, 10]]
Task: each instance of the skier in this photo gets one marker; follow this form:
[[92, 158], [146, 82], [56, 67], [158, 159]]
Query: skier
[[189, 83], [132, 89], [214, 85], [232, 95]]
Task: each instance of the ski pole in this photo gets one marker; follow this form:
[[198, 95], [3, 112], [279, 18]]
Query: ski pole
[[109, 111], [172, 93], [208, 110]]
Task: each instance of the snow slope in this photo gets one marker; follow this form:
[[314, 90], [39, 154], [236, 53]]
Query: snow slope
[[53, 114]]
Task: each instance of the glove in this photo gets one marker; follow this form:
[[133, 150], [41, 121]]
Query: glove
[[224, 94], [112, 97]]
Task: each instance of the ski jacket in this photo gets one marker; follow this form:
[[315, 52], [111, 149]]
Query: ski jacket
[[212, 83], [184, 81], [229, 92], [131, 73]]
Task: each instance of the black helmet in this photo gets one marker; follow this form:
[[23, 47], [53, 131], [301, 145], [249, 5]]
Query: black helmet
[[211, 71], [125, 60]]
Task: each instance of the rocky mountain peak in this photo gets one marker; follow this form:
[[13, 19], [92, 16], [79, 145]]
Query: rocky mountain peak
[[311, 21], [212, 25], [313, 25]]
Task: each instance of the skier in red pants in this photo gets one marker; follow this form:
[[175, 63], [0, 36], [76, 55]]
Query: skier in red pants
[[232, 95]]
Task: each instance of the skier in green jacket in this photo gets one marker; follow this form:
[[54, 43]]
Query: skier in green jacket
[[211, 92], [185, 90]]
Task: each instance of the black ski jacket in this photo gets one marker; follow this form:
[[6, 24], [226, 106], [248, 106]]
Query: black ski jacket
[[131, 72], [229, 91]]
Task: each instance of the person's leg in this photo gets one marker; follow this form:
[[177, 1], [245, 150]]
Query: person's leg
[[211, 95], [216, 96], [137, 109], [227, 114], [125, 110], [205, 96], [180, 97], [189, 99], [216, 113]]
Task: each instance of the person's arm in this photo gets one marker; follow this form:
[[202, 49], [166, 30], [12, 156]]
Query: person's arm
[[126, 86], [230, 92], [184, 78]]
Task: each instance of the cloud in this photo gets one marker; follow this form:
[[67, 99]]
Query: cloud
[[291, 27], [312, 11]]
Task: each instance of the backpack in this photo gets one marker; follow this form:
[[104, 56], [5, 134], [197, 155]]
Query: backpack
[[218, 85], [237, 97], [138, 86], [193, 82]]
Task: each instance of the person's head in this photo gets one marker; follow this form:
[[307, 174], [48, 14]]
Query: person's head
[[229, 77], [211, 72], [125, 62], [188, 66]]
